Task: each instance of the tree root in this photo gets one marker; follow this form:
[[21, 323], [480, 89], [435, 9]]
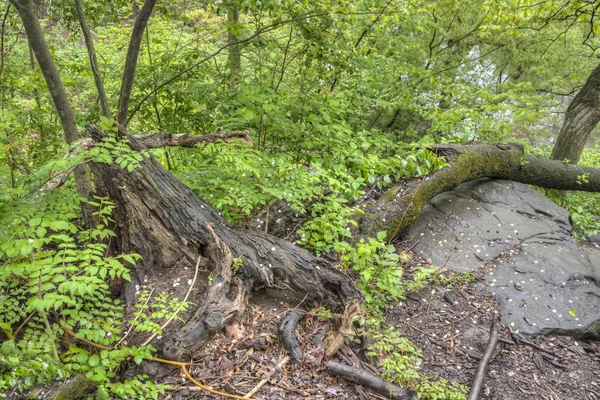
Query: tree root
[[337, 339], [485, 360], [287, 330], [225, 299], [370, 381]]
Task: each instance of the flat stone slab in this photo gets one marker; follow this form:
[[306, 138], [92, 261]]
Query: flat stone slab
[[545, 282]]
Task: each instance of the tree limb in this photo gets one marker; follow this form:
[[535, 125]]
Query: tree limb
[[131, 61], [398, 209], [164, 139], [376, 384]]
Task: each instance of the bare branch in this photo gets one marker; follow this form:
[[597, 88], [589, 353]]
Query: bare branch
[[165, 139]]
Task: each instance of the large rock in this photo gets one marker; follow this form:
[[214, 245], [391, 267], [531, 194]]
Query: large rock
[[546, 283]]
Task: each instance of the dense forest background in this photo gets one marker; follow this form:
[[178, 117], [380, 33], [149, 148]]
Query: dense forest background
[[321, 105]]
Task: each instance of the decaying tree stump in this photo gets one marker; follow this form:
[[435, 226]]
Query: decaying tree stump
[[166, 223]]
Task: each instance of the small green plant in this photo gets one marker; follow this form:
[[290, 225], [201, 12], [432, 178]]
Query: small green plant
[[322, 313], [401, 361]]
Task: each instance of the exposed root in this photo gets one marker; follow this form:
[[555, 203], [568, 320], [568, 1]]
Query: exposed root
[[337, 339], [287, 330], [485, 360], [224, 300], [370, 381]]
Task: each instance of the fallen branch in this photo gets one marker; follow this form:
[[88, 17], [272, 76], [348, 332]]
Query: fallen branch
[[287, 330], [399, 208], [164, 139], [370, 381], [485, 360]]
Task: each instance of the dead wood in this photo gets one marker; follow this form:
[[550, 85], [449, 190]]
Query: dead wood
[[369, 381], [337, 339], [165, 139], [485, 360], [166, 223]]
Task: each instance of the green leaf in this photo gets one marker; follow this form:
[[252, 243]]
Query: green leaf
[[35, 221], [94, 360]]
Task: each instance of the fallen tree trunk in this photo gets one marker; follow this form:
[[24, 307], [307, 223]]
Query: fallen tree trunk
[[398, 209]]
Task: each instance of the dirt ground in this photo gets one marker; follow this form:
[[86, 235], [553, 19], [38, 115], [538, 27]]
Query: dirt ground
[[451, 327]]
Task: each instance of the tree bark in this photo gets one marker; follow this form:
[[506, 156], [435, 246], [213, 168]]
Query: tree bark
[[35, 35], [582, 116], [131, 60], [89, 42]]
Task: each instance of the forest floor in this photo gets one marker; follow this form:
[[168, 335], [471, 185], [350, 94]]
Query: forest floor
[[449, 324]]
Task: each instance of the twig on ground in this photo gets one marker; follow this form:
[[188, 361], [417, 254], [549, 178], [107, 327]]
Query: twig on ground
[[485, 360], [520, 339], [265, 380]]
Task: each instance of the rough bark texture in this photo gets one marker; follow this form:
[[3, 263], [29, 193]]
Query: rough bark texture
[[131, 60], [164, 139], [167, 224], [27, 12], [397, 210], [89, 43], [581, 118]]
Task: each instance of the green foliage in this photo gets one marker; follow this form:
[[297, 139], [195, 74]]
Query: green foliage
[[161, 308], [401, 361], [55, 274]]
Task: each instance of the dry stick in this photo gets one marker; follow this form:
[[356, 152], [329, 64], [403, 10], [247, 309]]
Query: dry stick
[[265, 380], [162, 328], [485, 360]]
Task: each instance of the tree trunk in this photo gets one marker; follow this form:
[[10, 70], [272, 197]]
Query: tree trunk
[[235, 52], [89, 42], [581, 118], [27, 12], [169, 225], [398, 209], [131, 60]]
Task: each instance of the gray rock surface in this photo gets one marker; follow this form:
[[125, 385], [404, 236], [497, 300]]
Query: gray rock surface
[[546, 283]]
